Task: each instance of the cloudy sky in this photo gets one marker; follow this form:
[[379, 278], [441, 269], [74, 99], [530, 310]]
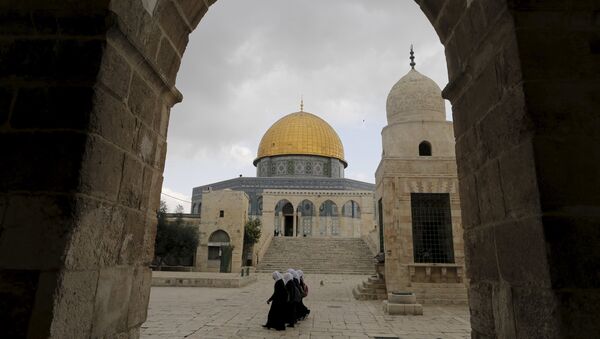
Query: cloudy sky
[[248, 63]]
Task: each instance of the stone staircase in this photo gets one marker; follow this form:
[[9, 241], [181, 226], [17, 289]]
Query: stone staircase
[[371, 289], [440, 293], [318, 255]]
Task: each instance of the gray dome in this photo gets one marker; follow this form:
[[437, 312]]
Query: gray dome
[[415, 97]]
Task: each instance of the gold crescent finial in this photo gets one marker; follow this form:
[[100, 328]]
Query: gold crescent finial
[[301, 103]]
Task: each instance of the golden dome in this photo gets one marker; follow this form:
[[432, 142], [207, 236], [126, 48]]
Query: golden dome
[[301, 133]]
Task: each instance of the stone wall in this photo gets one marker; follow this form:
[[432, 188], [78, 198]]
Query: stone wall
[[234, 208], [525, 121], [397, 179], [345, 226]]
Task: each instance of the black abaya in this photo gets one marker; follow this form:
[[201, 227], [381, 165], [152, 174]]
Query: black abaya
[[291, 304], [276, 318]]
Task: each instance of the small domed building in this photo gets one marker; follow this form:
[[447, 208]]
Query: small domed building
[[418, 204], [299, 191]]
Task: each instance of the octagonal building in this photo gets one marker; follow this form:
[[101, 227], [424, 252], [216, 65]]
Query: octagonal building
[[299, 189]]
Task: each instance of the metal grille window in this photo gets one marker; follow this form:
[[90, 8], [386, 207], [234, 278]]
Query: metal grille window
[[432, 228]]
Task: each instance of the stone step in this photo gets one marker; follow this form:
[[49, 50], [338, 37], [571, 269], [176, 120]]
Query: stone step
[[318, 255]]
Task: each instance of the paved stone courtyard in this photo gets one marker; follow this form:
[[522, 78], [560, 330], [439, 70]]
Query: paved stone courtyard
[[198, 312]]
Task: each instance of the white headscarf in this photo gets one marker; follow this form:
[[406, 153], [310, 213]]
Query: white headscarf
[[277, 276], [287, 277], [300, 274], [293, 273]]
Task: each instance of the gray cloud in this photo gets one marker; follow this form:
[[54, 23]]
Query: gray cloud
[[248, 62]]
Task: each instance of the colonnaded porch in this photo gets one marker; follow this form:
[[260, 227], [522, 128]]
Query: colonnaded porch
[[189, 312]]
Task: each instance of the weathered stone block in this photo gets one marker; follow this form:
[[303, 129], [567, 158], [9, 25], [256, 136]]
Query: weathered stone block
[[150, 35], [130, 191], [146, 145], [480, 254], [174, 24], [504, 318], [193, 10], [140, 295], [149, 238], [142, 100], [112, 120], [506, 126], [115, 72], [35, 232], [112, 301], [521, 252], [431, 8], [482, 313], [168, 60], [112, 238], [489, 192], [132, 247], [519, 181], [91, 219], [75, 295], [102, 169], [449, 17], [469, 202], [129, 15], [536, 313]]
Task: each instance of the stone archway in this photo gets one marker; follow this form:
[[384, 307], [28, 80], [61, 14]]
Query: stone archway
[[86, 92]]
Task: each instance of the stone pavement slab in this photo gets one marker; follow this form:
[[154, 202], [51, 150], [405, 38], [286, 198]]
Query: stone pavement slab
[[201, 312]]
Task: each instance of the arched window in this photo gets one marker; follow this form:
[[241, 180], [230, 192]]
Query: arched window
[[351, 209], [306, 212], [306, 208], [425, 149], [329, 224], [328, 209], [219, 236]]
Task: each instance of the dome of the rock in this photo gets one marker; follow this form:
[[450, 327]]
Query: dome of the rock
[[301, 133]]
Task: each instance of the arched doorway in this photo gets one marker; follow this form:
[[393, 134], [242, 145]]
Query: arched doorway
[[284, 218], [516, 109], [219, 251]]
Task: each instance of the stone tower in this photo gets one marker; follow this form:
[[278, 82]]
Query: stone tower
[[417, 191]]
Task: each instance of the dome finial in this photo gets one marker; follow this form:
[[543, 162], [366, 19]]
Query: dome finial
[[301, 103], [412, 57]]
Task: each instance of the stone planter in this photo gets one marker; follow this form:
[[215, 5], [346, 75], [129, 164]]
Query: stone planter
[[402, 298]]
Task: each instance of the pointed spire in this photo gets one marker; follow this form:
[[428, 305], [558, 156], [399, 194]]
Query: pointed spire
[[301, 103], [412, 57]]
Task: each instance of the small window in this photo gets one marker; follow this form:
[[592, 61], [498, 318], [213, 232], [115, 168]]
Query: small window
[[221, 214], [425, 149]]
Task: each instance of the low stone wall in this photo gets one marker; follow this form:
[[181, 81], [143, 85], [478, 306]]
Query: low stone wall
[[201, 279]]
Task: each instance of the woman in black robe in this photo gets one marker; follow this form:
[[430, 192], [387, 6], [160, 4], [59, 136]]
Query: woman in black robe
[[304, 289], [300, 308], [276, 318], [292, 293]]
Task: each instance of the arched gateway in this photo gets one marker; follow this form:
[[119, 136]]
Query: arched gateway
[[526, 128]]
